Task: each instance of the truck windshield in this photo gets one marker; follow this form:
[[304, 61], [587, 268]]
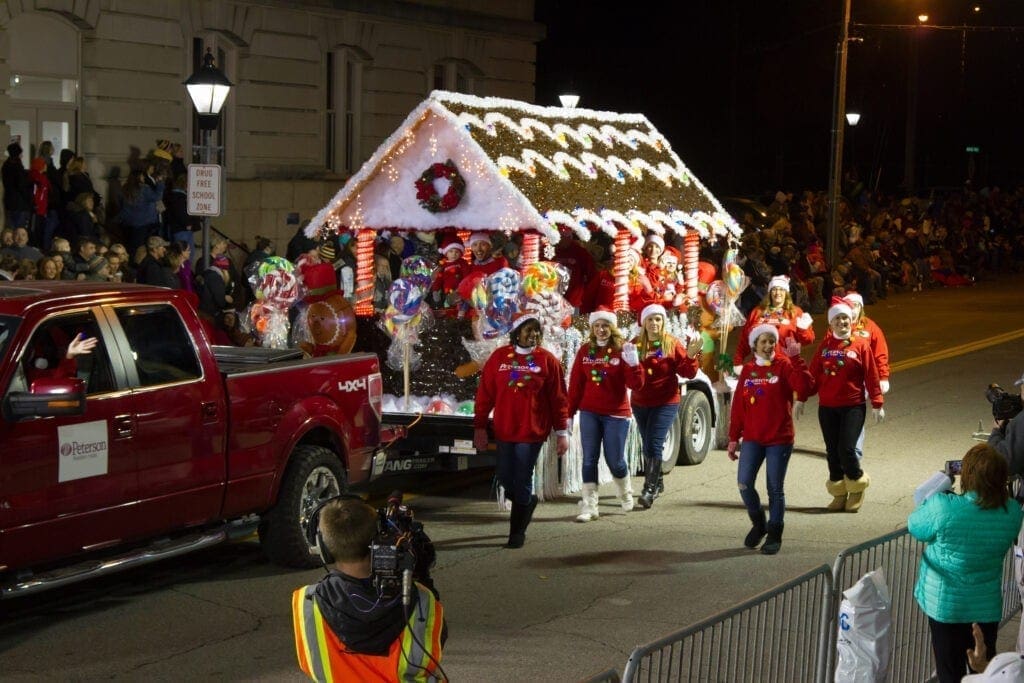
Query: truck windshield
[[8, 326]]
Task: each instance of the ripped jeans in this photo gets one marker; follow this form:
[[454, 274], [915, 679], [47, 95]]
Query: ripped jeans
[[751, 456]]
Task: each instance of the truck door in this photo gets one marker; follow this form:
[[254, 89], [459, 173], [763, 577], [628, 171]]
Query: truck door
[[67, 483], [180, 417]]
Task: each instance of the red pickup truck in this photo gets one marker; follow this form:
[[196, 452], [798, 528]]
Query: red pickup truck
[[158, 443]]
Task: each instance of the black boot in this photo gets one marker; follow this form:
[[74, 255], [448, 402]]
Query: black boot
[[652, 478], [646, 499], [757, 531], [516, 526], [529, 512], [661, 483], [774, 542]]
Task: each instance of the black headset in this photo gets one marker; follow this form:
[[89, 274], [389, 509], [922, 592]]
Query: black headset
[[314, 537]]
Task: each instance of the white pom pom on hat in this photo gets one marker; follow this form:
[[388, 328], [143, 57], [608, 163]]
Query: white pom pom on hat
[[605, 315], [451, 243], [854, 298], [651, 309], [780, 281], [763, 328]]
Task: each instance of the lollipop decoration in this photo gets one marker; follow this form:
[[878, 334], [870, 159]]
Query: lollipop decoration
[[405, 314], [734, 281], [418, 271], [276, 289]]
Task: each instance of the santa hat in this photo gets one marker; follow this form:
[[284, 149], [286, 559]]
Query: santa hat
[[479, 237], [764, 328], [451, 243], [604, 314], [780, 281], [672, 251], [320, 282], [839, 305], [521, 318], [651, 309], [655, 238], [854, 298]]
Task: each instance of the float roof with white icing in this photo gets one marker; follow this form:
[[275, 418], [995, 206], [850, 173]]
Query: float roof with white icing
[[527, 167]]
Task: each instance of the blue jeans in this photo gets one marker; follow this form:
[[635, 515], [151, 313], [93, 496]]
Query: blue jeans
[[596, 429], [751, 456], [653, 424], [515, 469]]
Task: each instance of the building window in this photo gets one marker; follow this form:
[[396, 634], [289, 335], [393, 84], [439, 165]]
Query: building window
[[454, 74], [343, 73]]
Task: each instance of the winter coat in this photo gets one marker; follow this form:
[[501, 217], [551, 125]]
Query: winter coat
[[1010, 443], [962, 568]]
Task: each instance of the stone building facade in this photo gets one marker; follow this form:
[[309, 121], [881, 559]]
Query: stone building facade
[[317, 84]]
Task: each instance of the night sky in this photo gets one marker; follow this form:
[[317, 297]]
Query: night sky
[[743, 90]]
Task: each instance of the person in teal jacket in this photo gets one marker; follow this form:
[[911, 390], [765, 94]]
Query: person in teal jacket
[[961, 570]]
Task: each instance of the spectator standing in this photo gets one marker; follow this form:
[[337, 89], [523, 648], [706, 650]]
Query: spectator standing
[[776, 309], [178, 224], [139, 216], [21, 249], [843, 372], [762, 417], [17, 187], [602, 371], [151, 269], [82, 220], [524, 385], [960, 577], [216, 293], [46, 269], [663, 359]]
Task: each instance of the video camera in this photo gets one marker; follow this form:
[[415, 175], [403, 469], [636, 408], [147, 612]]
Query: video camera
[[401, 551], [1005, 406]]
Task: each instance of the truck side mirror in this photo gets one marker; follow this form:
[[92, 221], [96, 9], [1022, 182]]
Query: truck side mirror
[[64, 396]]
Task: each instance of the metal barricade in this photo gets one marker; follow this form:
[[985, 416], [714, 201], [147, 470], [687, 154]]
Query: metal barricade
[[1011, 593], [775, 636], [898, 554]]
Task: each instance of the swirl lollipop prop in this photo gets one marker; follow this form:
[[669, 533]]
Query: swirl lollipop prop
[[418, 271], [544, 284], [735, 281], [405, 314], [276, 288]]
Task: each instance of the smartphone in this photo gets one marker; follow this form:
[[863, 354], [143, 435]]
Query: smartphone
[[953, 467]]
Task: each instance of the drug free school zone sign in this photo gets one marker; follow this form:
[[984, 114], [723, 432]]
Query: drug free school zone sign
[[204, 189]]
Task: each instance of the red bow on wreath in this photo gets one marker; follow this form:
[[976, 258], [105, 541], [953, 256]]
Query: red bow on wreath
[[427, 194]]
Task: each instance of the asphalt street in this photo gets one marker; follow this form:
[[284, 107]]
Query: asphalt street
[[578, 597]]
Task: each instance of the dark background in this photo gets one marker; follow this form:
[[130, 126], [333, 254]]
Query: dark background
[[743, 90]]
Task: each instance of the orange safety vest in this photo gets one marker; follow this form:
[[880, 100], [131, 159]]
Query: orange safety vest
[[324, 658]]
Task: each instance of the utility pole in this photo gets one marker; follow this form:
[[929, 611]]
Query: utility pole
[[838, 121]]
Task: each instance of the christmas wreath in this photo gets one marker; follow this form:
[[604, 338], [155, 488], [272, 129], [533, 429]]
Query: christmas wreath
[[427, 194]]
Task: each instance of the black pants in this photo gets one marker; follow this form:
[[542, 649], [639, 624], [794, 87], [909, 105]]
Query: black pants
[[840, 428], [950, 643]]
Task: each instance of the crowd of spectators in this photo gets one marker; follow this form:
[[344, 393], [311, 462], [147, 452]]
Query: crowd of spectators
[[886, 243]]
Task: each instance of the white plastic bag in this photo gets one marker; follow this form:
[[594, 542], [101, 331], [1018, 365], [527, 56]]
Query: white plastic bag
[[865, 624]]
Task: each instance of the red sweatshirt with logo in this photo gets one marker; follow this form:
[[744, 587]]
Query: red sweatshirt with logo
[[660, 368], [526, 392], [868, 328], [762, 406], [599, 379], [841, 370]]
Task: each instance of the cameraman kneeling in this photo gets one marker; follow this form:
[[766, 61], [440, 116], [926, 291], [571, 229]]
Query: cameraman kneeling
[[1007, 437], [348, 630]]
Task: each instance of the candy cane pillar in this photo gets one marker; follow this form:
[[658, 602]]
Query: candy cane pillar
[[530, 251], [691, 254], [620, 271], [364, 272]]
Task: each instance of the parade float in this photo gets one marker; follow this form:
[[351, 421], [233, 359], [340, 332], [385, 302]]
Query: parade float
[[464, 164]]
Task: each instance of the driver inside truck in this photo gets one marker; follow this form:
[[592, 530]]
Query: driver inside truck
[[44, 359]]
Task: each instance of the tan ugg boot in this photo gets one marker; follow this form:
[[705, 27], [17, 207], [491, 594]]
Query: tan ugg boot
[[838, 491], [855, 487]]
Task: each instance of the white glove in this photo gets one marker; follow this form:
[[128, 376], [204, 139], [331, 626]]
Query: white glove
[[798, 409], [884, 384], [737, 369], [792, 347], [629, 354], [879, 414], [804, 321]]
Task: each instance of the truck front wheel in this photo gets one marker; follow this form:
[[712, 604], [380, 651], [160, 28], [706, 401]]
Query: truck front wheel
[[695, 424], [314, 475]]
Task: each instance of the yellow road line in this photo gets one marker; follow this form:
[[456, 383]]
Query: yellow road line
[[956, 351]]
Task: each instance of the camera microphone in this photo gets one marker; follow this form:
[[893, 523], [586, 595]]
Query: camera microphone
[[395, 498], [407, 586]]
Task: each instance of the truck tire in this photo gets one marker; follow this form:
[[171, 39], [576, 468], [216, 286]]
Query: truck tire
[[696, 432], [314, 474]]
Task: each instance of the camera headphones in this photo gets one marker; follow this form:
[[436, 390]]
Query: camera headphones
[[314, 538]]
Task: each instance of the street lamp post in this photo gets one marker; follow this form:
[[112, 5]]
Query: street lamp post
[[569, 101], [208, 87], [852, 119], [838, 112]]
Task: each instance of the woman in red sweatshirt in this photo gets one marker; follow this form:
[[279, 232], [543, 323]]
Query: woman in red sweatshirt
[[603, 369], [663, 359], [779, 310], [524, 385], [762, 416], [843, 371]]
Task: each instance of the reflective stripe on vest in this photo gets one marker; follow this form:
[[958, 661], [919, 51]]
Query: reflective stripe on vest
[[424, 631], [311, 644]]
